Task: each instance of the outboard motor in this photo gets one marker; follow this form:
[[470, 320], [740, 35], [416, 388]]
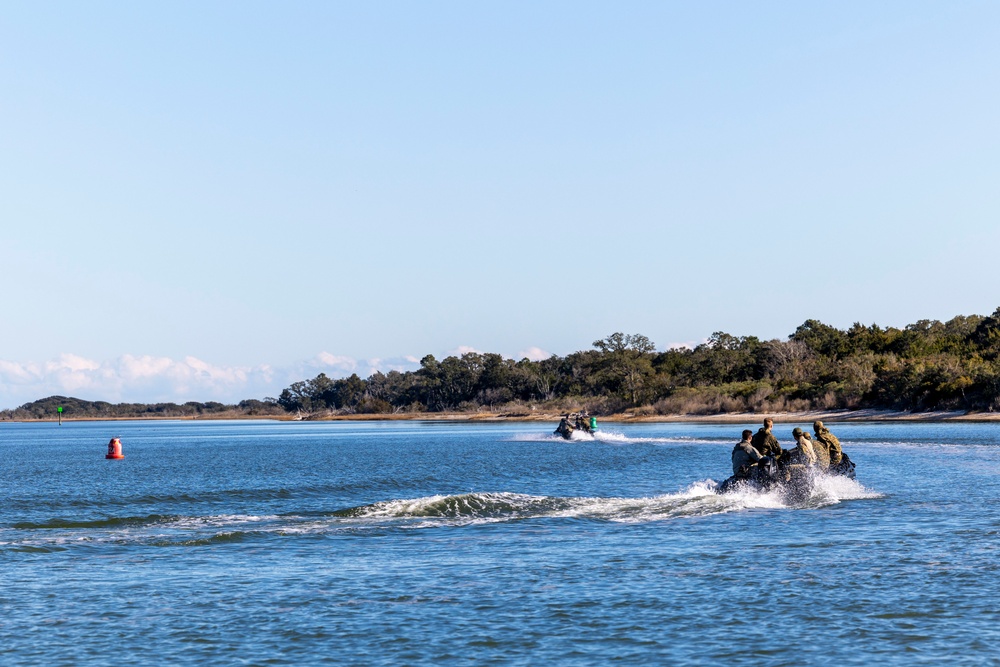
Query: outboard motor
[[766, 472], [845, 467]]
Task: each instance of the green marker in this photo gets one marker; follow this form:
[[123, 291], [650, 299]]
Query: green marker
[[59, 410]]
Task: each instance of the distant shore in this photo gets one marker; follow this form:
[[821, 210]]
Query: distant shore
[[831, 416], [726, 418]]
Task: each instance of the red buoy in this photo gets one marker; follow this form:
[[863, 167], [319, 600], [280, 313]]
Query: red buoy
[[115, 449]]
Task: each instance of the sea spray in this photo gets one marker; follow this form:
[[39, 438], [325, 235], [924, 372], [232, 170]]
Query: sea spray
[[615, 438]]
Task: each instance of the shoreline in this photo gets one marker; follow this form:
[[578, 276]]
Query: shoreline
[[832, 416]]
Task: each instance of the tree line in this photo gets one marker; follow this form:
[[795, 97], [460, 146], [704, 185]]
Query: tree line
[[927, 365], [76, 408]]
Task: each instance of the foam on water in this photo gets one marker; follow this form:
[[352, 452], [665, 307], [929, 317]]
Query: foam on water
[[612, 438], [696, 500], [151, 529]]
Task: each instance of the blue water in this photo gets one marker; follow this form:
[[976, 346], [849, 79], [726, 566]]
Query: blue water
[[406, 543]]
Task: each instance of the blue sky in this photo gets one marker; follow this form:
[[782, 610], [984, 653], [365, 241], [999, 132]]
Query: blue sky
[[207, 201]]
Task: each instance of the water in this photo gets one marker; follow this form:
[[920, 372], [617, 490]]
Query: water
[[266, 543]]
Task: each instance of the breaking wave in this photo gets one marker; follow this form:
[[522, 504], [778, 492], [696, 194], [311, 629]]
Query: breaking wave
[[697, 500]]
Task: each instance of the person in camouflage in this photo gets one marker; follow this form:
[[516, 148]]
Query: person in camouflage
[[829, 442], [804, 453], [744, 455], [822, 453], [764, 442]]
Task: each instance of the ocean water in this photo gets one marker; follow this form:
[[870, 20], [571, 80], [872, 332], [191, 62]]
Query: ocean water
[[413, 543]]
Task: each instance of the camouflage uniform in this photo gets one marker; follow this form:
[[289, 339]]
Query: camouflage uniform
[[804, 453], [830, 442], [822, 453], [766, 444], [744, 455]]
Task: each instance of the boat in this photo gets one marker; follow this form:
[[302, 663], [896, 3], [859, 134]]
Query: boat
[[576, 421], [795, 481]]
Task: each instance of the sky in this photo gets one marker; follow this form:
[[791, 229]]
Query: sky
[[211, 200]]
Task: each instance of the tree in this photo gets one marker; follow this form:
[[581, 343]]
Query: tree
[[789, 362], [821, 339], [725, 358], [987, 336], [348, 392], [627, 362], [296, 397]]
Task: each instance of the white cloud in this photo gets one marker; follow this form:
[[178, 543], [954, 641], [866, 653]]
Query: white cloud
[[152, 379], [137, 368], [335, 364], [338, 366], [401, 364], [143, 379], [534, 354], [75, 363], [14, 373], [462, 349]]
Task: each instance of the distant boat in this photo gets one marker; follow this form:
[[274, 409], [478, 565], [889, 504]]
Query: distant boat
[[576, 421]]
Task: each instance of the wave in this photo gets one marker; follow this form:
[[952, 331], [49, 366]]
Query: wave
[[152, 529], [111, 522], [927, 444], [186, 501], [611, 437], [225, 537], [698, 499]]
